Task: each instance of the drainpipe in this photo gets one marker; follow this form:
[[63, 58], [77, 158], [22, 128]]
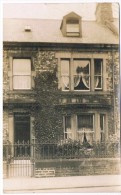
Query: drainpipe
[[113, 90]]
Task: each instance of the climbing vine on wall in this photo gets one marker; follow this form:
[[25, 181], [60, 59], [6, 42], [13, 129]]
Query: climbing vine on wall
[[48, 119]]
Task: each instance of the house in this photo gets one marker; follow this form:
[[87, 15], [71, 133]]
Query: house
[[80, 59]]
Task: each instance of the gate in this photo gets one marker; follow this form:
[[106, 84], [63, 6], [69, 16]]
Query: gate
[[19, 159]]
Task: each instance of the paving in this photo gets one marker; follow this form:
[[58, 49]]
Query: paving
[[58, 184]]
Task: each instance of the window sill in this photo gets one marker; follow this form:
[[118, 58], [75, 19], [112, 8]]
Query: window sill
[[86, 92], [21, 92]]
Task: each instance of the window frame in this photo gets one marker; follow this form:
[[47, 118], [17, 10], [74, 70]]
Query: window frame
[[65, 74], [101, 75], [89, 131], [91, 74], [74, 59], [95, 133], [24, 55], [65, 132], [30, 75], [102, 131], [71, 33]]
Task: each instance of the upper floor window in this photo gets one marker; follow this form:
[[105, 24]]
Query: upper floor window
[[78, 74], [98, 74], [72, 27], [21, 74], [81, 74]]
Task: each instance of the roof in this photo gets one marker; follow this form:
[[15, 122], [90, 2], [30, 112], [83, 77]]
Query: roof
[[48, 31], [73, 15]]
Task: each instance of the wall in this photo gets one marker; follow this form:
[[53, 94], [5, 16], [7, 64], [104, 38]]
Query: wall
[[44, 59], [77, 167]]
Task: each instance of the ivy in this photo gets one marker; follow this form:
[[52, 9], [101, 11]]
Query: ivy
[[48, 120]]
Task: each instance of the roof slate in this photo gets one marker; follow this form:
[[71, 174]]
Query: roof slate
[[48, 31]]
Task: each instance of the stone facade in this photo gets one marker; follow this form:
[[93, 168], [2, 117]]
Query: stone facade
[[45, 59]]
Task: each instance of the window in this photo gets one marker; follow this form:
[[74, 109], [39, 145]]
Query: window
[[102, 126], [21, 74], [65, 74], [72, 27], [85, 127], [67, 128], [98, 74], [78, 74], [81, 74]]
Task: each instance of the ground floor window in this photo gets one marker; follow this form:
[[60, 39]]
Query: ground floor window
[[85, 126], [102, 127], [67, 128]]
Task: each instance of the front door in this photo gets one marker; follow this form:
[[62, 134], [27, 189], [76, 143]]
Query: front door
[[22, 134]]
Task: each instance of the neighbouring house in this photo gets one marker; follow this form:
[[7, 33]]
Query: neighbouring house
[[61, 95]]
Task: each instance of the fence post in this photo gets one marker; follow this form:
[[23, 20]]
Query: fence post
[[33, 157], [7, 158]]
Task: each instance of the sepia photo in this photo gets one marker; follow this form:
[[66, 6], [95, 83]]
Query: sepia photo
[[61, 97]]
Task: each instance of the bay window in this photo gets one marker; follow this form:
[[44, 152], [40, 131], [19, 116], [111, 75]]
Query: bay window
[[89, 126], [81, 74]]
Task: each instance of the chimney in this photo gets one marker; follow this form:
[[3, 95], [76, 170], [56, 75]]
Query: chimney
[[104, 13]]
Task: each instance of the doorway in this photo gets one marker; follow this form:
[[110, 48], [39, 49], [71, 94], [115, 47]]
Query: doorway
[[21, 135]]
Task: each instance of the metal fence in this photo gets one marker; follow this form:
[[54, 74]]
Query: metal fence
[[26, 150], [20, 158], [71, 151]]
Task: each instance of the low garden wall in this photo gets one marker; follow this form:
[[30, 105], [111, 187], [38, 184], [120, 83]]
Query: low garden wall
[[77, 167]]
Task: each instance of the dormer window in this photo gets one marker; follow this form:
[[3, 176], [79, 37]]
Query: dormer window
[[72, 27]]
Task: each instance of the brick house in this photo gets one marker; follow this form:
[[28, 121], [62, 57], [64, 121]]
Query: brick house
[[83, 55]]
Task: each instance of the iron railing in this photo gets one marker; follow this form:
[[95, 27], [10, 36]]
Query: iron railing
[[38, 151]]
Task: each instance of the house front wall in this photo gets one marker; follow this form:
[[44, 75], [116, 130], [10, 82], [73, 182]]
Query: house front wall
[[70, 102]]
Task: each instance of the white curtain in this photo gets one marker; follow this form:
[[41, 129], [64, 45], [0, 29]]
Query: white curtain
[[65, 80], [96, 81], [85, 80], [76, 80]]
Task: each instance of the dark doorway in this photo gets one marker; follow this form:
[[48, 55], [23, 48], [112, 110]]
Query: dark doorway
[[22, 134]]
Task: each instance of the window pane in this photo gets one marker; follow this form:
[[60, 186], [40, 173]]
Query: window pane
[[101, 122], [67, 122], [65, 74], [68, 131], [21, 82], [98, 67], [72, 28], [98, 73], [21, 67], [81, 74], [98, 82], [85, 122], [65, 67]]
